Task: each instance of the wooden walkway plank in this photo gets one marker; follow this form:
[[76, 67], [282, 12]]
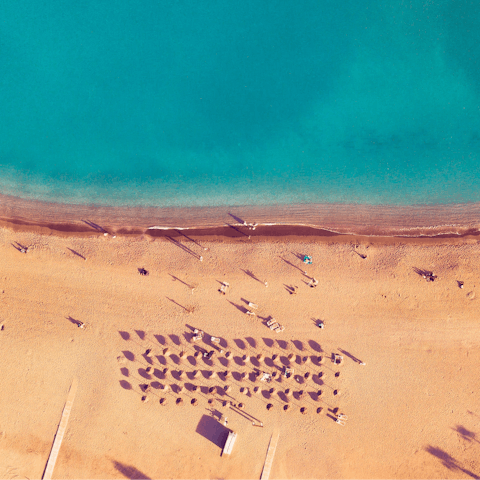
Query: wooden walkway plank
[[267, 466], [47, 475]]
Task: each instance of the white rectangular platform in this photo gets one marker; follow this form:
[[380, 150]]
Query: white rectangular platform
[[227, 448]]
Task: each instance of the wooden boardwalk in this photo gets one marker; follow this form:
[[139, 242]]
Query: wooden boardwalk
[[47, 475], [267, 466]]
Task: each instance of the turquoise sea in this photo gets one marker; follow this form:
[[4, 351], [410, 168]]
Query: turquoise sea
[[182, 103]]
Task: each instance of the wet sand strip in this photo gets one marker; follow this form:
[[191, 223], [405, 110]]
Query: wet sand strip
[[310, 220]]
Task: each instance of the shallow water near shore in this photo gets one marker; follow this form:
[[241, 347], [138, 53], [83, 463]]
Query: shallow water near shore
[[209, 105]]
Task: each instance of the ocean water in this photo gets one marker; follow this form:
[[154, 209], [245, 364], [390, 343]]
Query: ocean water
[[183, 103]]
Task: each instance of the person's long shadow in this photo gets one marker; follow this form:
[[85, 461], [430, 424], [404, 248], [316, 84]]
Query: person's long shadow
[[176, 303], [448, 461], [72, 320], [291, 264], [237, 219], [361, 255], [76, 253], [349, 355], [183, 247], [251, 275], [16, 247], [96, 227], [291, 289], [425, 273], [244, 414], [191, 239], [212, 430], [129, 472], [21, 248], [239, 307], [237, 230], [181, 281]]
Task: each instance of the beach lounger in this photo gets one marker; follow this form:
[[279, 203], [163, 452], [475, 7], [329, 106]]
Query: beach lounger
[[341, 416], [197, 335], [248, 312], [224, 287], [274, 326], [266, 377], [271, 322], [340, 422], [279, 329], [337, 359], [252, 305], [215, 339]]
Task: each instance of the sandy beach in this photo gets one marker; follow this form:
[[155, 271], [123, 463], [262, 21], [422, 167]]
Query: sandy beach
[[412, 409]]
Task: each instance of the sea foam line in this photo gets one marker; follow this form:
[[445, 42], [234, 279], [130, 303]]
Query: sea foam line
[[452, 229]]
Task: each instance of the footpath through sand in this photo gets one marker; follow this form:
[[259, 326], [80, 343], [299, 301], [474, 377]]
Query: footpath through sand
[[413, 409]]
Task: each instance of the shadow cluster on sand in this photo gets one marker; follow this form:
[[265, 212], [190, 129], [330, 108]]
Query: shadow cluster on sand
[[448, 461], [178, 369], [466, 434], [129, 472]]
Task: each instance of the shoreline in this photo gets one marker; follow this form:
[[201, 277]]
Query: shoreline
[[418, 222]]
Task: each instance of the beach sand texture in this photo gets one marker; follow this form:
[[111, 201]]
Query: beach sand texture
[[413, 410]]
